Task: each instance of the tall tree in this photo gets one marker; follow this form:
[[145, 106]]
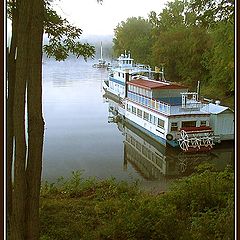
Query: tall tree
[[195, 40], [133, 35], [30, 18]]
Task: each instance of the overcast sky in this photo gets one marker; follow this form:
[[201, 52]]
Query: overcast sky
[[97, 19]]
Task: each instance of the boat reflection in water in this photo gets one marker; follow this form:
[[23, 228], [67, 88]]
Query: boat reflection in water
[[154, 161]]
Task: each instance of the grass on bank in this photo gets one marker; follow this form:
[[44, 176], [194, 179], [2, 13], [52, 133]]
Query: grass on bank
[[197, 207]]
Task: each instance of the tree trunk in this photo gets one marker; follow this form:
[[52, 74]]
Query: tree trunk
[[11, 70], [17, 222], [35, 122]]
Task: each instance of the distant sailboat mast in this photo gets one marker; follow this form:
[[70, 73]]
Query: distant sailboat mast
[[101, 56]]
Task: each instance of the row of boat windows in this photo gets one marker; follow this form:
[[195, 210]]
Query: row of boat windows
[[116, 87], [175, 125], [160, 123], [145, 151], [146, 116], [127, 61], [119, 74], [139, 90]]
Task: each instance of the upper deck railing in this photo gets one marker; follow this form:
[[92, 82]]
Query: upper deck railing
[[150, 102], [166, 108]]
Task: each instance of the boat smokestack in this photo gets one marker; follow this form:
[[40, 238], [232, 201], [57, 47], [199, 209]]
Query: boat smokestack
[[198, 89], [157, 73], [162, 72]]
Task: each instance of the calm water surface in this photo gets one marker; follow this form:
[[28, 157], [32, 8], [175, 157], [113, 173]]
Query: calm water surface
[[78, 135]]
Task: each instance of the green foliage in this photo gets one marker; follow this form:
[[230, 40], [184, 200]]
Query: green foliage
[[220, 58], [194, 39], [134, 35], [63, 38], [197, 207]]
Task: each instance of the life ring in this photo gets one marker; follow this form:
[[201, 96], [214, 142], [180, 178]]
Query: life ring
[[169, 137]]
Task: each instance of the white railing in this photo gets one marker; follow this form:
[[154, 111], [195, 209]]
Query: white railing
[[166, 108], [150, 103]]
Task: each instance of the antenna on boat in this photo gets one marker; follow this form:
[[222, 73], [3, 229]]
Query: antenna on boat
[[162, 72], [198, 89], [101, 51]]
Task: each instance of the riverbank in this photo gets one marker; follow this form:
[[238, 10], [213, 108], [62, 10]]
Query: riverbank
[[197, 207]]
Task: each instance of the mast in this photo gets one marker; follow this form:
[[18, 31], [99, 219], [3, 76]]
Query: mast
[[101, 57]]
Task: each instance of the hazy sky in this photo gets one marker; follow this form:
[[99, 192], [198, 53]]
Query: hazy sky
[[97, 19]]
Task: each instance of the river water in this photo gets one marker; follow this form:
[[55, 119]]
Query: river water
[[79, 135]]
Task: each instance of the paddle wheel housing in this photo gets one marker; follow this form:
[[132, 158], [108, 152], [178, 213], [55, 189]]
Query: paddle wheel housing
[[194, 139]]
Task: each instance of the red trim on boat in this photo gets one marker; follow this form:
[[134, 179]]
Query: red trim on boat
[[194, 129], [154, 84]]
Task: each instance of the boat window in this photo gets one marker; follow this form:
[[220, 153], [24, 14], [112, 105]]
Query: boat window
[[148, 93], [123, 75], [119, 74], [138, 145], [155, 120], [144, 92], [129, 107], [174, 126], [152, 103], [128, 138], [203, 123], [189, 124], [133, 110], [151, 118], [139, 113], [145, 116], [144, 151], [160, 123], [133, 141]]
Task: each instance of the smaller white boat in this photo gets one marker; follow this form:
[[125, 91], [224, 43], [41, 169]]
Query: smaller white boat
[[101, 62]]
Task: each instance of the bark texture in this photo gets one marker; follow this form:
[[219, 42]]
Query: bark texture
[[25, 141], [35, 121]]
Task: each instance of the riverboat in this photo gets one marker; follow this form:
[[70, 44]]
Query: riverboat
[[172, 115], [167, 111]]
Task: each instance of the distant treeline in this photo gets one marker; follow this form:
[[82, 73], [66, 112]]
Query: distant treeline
[[193, 40]]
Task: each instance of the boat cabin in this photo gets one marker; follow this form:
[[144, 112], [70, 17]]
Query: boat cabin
[[162, 91], [125, 61]]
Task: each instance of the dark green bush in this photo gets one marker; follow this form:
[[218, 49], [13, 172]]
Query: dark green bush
[[197, 207]]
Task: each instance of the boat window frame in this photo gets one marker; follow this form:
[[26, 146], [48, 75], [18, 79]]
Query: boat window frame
[[188, 123], [144, 116], [134, 110], [159, 120], [138, 113], [174, 126]]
